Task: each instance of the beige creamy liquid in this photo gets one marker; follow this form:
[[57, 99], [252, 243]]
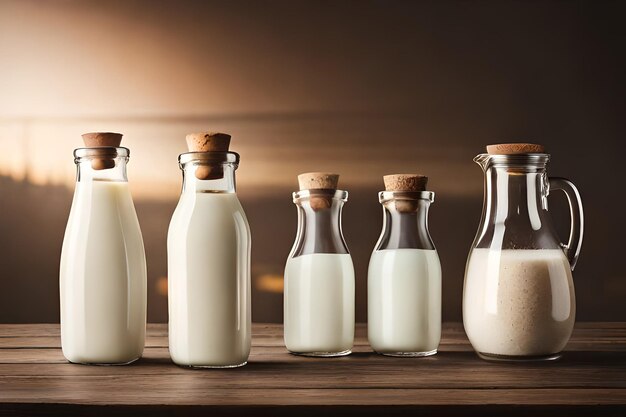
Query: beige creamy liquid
[[404, 301], [319, 303], [518, 302], [208, 249], [103, 277]]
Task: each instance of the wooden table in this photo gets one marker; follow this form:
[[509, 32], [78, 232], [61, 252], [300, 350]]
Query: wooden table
[[590, 379]]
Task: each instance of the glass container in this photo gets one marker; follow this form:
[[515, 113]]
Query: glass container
[[103, 266], [209, 266], [404, 279], [518, 301], [319, 279]]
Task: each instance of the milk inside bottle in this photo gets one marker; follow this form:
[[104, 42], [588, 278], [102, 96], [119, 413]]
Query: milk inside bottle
[[103, 266], [404, 277], [319, 275], [208, 248], [518, 298]]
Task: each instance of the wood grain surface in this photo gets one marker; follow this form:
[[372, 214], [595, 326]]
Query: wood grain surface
[[35, 379]]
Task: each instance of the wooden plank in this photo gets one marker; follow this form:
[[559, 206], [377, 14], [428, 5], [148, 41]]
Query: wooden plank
[[173, 391], [461, 373], [439, 410], [279, 353]]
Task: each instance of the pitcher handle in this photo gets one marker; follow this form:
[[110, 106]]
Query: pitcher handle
[[575, 241]]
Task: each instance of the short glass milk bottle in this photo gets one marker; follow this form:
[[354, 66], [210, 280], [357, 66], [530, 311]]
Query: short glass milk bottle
[[319, 275], [518, 299], [404, 277], [103, 264], [208, 251]]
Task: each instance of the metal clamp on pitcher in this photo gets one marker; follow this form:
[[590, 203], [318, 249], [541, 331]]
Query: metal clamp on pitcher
[[518, 298]]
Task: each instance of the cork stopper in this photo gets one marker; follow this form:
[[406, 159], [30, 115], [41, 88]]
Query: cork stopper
[[102, 139], [319, 181], [208, 142], [514, 148], [405, 182]]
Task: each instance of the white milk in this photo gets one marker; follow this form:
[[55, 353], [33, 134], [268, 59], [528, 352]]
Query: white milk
[[208, 249], [518, 302], [319, 304], [404, 302], [103, 277]]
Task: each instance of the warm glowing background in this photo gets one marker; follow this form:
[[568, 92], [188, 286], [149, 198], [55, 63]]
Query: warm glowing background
[[361, 88]]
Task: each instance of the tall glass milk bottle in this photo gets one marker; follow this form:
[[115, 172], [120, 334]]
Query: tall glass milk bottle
[[208, 247], [103, 265], [518, 298], [319, 276], [404, 277]]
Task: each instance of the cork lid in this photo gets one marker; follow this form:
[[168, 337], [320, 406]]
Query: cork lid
[[405, 182], [99, 140], [514, 148], [208, 142], [318, 181]]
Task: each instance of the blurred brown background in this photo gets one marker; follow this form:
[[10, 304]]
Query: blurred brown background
[[358, 87]]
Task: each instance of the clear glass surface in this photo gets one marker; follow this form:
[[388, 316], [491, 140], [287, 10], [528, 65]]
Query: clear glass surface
[[405, 220], [319, 222]]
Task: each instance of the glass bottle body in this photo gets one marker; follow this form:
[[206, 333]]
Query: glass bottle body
[[404, 279], [518, 299], [208, 249], [319, 279], [103, 266]]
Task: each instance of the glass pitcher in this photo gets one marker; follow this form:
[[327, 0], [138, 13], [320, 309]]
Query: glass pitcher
[[518, 297]]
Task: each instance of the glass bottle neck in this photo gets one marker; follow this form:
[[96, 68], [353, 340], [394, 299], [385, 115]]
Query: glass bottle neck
[[101, 164], [209, 172], [405, 220], [319, 222], [222, 183]]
